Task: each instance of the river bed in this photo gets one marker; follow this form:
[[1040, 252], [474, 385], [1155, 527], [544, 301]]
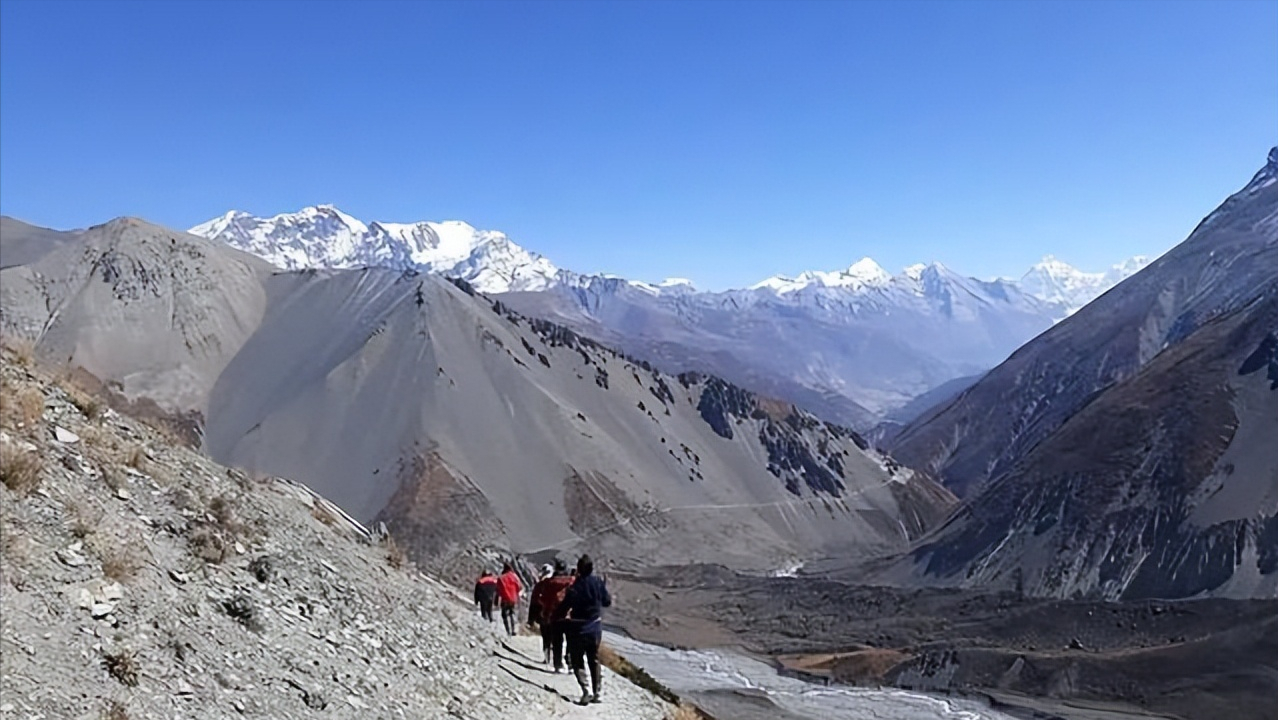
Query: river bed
[[733, 686]]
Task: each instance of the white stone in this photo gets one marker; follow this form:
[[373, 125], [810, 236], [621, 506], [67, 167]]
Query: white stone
[[64, 435]]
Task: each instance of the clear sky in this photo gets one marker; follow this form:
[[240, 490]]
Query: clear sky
[[719, 141]]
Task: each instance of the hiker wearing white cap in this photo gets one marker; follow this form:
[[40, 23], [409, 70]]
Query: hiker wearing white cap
[[546, 596]]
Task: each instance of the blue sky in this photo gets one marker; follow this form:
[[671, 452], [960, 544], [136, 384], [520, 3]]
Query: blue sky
[[719, 141]]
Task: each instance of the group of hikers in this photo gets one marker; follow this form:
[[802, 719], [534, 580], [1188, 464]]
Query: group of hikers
[[567, 606]]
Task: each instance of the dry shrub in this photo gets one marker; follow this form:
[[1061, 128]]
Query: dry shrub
[[115, 711], [84, 518], [88, 405], [86, 402], [225, 511], [120, 561], [135, 457], [31, 405], [21, 350], [395, 555], [122, 666], [320, 512], [20, 469], [209, 545], [685, 711], [114, 477]]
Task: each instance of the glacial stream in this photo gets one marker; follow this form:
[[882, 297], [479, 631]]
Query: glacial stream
[[730, 685]]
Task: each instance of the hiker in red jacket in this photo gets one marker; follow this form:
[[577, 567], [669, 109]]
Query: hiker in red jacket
[[546, 596], [486, 594], [508, 591]]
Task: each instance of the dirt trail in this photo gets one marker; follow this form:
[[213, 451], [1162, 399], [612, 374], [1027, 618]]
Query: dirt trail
[[520, 657]]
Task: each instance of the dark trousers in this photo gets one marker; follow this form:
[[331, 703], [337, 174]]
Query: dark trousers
[[508, 618], [552, 642], [486, 610], [583, 652]]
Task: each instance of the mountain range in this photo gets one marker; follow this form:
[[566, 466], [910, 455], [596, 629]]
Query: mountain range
[[466, 427], [1125, 452], [858, 343]]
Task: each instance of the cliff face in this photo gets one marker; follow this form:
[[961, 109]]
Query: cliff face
[[1129, 451]]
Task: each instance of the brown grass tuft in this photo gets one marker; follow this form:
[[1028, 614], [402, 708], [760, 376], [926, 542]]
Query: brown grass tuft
[[31, 405], [115, 711], [84, 518], [395, 555], [320, 512], [122, 666], [120, 561], [114, 477], [20, 469], [209, 545], [22, 351], [135, 457], [685, 711]]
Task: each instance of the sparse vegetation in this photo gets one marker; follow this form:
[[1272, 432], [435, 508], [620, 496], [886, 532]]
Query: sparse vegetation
[[88, 404], [114, 477], [30, 405], [121, 558], [135, 457], [115, 711], [121, 563], [84, 518], [20, 469], [320, 512], [122, 666], [395, 555], [22, 350], [207, 544]]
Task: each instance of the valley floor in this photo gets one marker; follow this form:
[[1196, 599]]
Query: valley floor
[[1079, 660]]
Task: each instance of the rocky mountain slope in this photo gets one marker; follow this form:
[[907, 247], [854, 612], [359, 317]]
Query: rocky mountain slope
[[24, 243], [466, 427], [858, 342], [156, 318], [1128, 452], [140, 580]]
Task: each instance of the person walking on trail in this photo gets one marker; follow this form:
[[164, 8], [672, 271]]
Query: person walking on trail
[[508, 591], [546, 596], [581, 612], [486, 594]]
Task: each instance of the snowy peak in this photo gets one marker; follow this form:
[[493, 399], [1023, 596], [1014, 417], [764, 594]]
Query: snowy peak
[[325, 237], [1057, 282], [862, 273]]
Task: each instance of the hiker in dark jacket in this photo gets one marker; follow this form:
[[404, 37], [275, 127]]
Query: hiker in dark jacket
[[486, 594], [581, 614], [546, 596]]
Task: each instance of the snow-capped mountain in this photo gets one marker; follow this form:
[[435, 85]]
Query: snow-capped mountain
[[1057, 282], [850, 344], [325, 237]]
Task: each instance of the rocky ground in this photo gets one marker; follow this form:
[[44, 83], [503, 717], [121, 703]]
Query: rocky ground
[[1189, 659], [140, 580]]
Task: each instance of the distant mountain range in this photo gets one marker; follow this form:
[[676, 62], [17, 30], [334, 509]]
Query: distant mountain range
[[850, 344]]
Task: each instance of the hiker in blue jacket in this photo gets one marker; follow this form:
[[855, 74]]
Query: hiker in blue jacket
[[581, 613]]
